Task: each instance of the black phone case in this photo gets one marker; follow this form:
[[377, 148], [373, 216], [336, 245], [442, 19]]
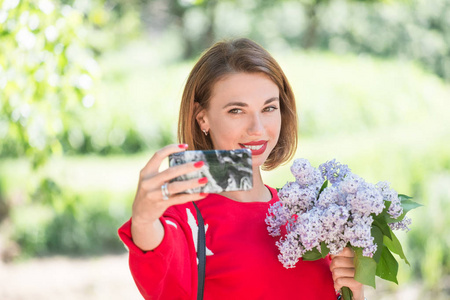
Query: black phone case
[[226, 170]]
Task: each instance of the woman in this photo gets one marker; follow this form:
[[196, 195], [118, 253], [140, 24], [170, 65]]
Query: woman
[[235, 97]]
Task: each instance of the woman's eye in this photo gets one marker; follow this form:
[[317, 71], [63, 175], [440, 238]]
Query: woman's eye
[[270, 108], [235, 111]]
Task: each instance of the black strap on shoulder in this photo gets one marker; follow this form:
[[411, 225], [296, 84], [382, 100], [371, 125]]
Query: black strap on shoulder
[[201, 254]]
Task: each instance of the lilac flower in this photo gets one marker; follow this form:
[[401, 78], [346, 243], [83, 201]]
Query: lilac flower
[[395, 208], [296, 198], [290, 250], [402, 225], [309, 229], [337, 246], [341, 215], [358, 233], [331, 195], [367, 200], [334, 171], [351, 183], [305, 174], [370, 250], [334, 219], [277, 216]]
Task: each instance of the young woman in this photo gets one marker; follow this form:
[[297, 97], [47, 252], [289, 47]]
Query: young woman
[[236, 96]]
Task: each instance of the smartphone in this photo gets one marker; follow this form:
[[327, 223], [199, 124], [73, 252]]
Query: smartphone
[[226, 170]]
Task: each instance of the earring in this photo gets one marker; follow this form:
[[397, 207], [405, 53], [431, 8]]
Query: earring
[[205, 132]]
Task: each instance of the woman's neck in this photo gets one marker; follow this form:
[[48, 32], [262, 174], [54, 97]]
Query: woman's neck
[[259, 192]]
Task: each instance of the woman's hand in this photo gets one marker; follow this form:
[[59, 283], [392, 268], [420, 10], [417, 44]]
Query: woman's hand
[[149, 203], [343, 269]]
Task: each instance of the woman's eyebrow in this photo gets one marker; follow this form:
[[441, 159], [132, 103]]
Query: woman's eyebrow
[[271, 100], [243, 104]]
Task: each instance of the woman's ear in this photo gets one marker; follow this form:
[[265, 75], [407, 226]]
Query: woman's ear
[[201, 118]]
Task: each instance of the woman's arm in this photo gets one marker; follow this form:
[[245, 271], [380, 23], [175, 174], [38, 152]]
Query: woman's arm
[[149, 203], [169, 270]]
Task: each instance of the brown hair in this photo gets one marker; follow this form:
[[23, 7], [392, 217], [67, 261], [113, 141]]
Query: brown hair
[[227, 57]]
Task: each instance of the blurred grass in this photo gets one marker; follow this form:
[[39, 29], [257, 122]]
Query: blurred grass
[[386, 119]]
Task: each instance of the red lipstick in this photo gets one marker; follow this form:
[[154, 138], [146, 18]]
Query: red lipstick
[[257, 147]]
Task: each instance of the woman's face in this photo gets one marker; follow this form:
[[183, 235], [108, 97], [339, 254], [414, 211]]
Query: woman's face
[[244, 112]]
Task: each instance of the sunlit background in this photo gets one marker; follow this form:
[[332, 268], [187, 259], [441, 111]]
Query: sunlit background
[[89, 89]]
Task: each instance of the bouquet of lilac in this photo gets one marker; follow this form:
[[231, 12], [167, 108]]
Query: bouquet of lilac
[[330, 208]]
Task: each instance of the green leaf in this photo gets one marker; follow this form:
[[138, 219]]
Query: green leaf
[[365, 268], [394, 245], [409, 205], [378, 239], [324, 185], [387, 267], [313, 254], [324, 249], [404, 197], [381, 223]]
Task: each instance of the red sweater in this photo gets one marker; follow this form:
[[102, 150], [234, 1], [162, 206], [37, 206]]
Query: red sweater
[[241, 257]]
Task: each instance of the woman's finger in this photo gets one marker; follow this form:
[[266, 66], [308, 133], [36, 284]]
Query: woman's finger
[[175, 188], [158, 179], [341, 262], [154, 163], [343, 272], [184, 198], [348, 282]]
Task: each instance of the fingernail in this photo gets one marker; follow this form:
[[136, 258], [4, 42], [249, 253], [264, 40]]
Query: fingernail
[[183, 146], [199, 164], [203, 180], [203, 194]]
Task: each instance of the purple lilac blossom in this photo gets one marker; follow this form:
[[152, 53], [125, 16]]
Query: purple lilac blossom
[[358, 233], [296, 198], [351, 183], [370, 250], [309, 229], [330, 195], [334, 171], [367, 200], [334, 219], [402, 225], [290, 250], [305, 174], [277, 216], [340, 216], [395, 208], [337, 246]]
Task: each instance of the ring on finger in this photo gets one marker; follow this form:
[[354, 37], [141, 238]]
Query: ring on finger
[[165, 191]]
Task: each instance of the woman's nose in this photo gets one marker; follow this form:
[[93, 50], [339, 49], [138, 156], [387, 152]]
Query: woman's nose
[[256, 126]]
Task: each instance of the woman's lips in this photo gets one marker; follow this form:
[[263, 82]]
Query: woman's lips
[[257, 147]]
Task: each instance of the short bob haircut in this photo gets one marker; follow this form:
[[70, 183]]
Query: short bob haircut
[[230, 57]]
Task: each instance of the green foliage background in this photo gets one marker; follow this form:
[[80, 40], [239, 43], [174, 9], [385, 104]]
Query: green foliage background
[[89, 89]]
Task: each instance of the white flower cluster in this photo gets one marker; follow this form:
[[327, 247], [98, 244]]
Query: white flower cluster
[[340, 215]]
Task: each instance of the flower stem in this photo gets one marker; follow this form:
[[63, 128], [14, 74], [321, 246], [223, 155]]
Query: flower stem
[[346, 293]]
